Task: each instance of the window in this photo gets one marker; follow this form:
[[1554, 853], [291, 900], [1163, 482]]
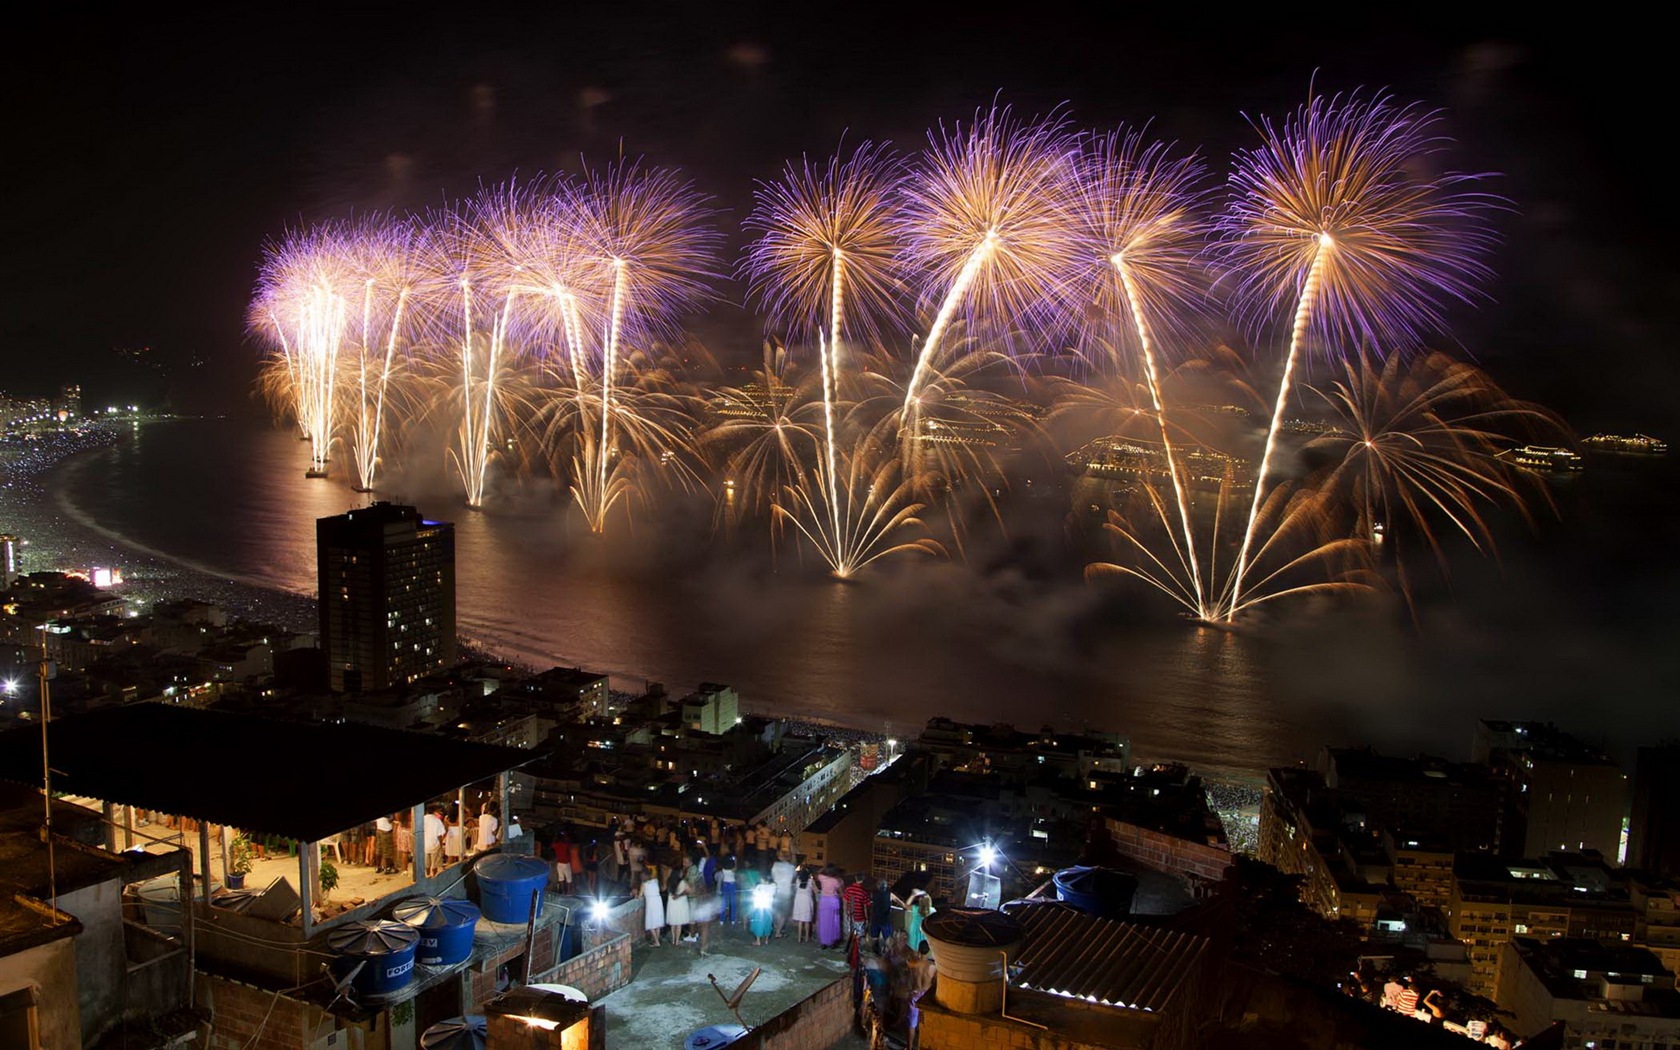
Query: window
[[18, 1017]]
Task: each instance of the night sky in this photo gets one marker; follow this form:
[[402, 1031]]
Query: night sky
[[149, 159]]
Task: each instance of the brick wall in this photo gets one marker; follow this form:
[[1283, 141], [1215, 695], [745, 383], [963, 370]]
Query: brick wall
[[595, 972], [628, 917], [240, 1011], [816, 1022], [1072, 1025], [949, 1031], [481, 976], [1194, 861]]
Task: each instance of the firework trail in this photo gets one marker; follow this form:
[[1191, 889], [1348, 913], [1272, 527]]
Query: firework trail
[[1419, 439], [644, 244], [827, 240], [1138, 242], [986, 218], [1297, 554], [543, 254], [1330, 213], [386, 255], [881, 505], [483, 247], [301, 308]]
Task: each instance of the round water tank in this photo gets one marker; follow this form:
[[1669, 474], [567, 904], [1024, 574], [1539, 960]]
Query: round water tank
[[969, 945], [445, 925], [714, 1036], [506, 885], [1103, 892], [457, 1033], [386, 950]]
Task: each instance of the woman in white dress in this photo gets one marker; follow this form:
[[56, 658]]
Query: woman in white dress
[[653, 905], [804, 904], [678, 914]]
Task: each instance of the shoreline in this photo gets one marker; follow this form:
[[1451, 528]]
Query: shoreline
[[39, 508], [186, 577], [157, 573]]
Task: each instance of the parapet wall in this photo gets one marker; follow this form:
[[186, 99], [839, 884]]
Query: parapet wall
[[595, 972], [1194, 862], [817, 1022]]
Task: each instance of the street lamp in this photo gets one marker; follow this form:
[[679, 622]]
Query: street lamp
[[985, 890]]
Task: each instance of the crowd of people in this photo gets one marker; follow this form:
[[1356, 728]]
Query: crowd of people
[[446, 836], [702, 879]]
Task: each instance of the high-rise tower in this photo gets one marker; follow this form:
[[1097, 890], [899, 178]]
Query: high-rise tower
[[387, 595]]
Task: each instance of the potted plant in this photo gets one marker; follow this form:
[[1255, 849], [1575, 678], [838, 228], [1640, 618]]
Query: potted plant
[[329, 878], [239, 862]]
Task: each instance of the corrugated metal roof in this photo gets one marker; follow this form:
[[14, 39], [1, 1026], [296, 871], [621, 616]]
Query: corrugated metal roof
[[1100, 960]]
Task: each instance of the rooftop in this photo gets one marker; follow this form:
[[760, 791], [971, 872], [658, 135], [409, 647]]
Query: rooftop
[[1069, 953], [298, 780], [669, 997], [1545, 741], [1364, 765], [1584, 969]]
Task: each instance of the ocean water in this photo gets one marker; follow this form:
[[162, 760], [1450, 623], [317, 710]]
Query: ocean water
[[1572, 622]]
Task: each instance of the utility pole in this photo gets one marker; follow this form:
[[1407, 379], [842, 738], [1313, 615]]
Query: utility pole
[[46, 774]]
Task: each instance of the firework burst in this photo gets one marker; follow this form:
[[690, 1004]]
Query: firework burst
[[302, 310], [826, 263], [645, 244], [1416, 442], [387, 256], [536, 327], [1334, 215], [881, 509], [768, 433], [1138, 239], [1298, 554], [826, 256], [987, 228]]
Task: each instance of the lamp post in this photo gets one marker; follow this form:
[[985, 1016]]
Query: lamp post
[[46, 775], [985, 890]]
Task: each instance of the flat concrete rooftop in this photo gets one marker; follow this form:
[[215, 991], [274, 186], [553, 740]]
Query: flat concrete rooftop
[[669, 997]]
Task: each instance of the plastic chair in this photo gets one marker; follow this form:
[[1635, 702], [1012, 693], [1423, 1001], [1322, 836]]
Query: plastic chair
[[331, 842]]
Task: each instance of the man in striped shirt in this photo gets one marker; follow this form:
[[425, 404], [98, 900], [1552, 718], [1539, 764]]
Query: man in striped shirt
[[854, 905]]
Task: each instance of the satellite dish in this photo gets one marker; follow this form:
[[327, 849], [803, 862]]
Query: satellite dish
[[341, 988], [733, 999]]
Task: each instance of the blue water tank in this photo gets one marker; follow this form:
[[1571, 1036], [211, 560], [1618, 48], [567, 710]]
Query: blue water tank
[[385, 948], [457, 1033], [571, 942], [506, 884], [445, 925], [714, 1036], [1104, 892]]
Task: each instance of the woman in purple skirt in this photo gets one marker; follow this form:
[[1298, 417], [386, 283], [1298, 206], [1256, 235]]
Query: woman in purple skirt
[[829, 883]]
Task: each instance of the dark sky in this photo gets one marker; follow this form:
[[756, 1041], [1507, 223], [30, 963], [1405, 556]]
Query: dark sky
[[148, 159]]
